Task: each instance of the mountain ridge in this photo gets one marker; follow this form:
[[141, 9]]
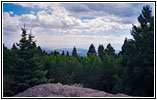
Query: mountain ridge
[[80, 51]]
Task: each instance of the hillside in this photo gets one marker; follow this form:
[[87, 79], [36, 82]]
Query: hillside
[[59, 90]]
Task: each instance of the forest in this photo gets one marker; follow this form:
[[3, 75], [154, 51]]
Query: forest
[[131, 71]]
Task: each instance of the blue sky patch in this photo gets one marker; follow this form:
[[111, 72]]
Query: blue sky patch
[[18, 10], [87, 17]]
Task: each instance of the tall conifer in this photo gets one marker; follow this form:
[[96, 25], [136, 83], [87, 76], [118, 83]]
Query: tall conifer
[[92, 50], [138, 57], [29, 71], [74, 52]]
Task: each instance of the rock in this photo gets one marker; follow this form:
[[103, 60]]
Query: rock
[[59, 84], [121, 95], [59, 90]]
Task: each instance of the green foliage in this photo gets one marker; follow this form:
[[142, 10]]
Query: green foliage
[[109, 77], [14, 47], [77, 85], [67, 53], [62, 53], [74, 52], [101, 51], [109, 50], [138, 57], [9, 63], [92, 50], [90, 71], [7, 85], [64, 69], [39, 51], [26, 70], [56, 53]]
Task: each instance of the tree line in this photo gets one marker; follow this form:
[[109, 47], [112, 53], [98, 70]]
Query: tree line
[[131, 71]]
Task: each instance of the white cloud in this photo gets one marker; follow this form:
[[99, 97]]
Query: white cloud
[[80, 41], [10, 23], [55, 25], [10, 12], [61, 17]]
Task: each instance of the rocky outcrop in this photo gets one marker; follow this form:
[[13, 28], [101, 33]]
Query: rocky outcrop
[[59, 90]]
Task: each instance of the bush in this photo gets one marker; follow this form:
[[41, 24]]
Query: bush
[[77, 85]]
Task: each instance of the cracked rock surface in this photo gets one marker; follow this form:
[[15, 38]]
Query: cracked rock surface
[[59, 90]]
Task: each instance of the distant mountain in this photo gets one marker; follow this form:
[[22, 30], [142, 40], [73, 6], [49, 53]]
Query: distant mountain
[[48, 51], [80, 51]]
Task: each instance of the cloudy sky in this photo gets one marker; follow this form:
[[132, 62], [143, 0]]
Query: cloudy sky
[[65, 25]]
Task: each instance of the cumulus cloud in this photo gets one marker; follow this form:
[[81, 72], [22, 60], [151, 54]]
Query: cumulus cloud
[[55, 15], [118, 9], [62, 22], [10, 23]]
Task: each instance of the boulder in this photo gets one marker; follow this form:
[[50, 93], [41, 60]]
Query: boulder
[[59, 90]]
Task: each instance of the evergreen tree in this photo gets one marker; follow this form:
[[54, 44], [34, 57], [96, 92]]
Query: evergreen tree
[[29, 71], [74, 52], [14, 47], [56, 53], [39, 51], [92, 50], [67, 53], [138, 55], [101, 51], [30, 37], [9, 63], [45, 53], [126, 49], [47, 67], [109, 50], [5, 59], [62, 53]]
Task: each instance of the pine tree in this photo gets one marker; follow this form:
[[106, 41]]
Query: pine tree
[[126, 49], [39, 51], [47, 66], [62, 53], [110, 50], [9, 63], [92, 50], [67, 54], [138, 55], [14, 47], [101, 51], [56, 53], [74, 52], [29, 71], [45, 53]]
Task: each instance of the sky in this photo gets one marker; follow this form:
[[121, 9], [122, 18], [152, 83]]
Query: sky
[[65, 25]]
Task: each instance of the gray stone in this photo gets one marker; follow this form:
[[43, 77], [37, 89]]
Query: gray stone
[[59, 90]]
